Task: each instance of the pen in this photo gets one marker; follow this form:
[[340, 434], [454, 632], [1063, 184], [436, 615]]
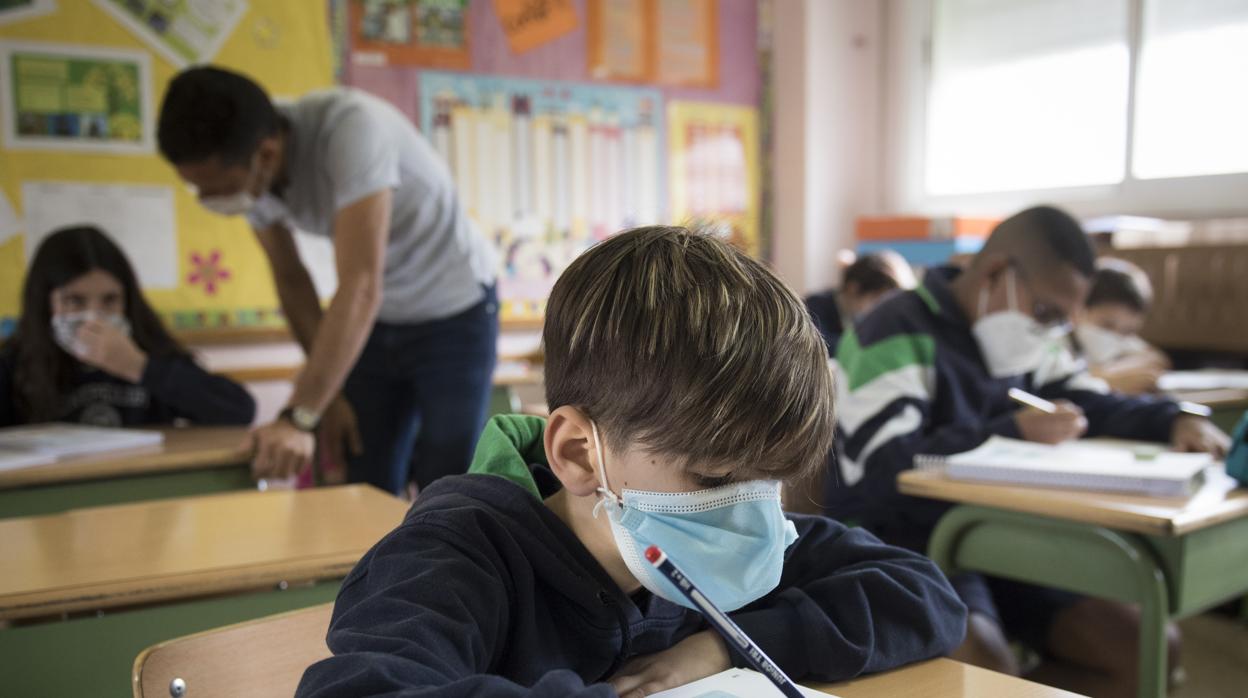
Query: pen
[[732, 634], [1025, 398]]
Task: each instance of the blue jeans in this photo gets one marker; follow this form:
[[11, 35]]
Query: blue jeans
[[420, 394]]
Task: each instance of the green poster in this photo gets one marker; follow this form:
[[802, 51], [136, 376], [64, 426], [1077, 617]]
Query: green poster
[[69, 98]]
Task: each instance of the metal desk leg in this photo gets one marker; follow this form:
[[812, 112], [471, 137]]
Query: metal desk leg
[[1081, 558]]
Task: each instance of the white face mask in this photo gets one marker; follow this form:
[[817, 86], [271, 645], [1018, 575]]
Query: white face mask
[[1013, 343], [65, 327], [237, 204], [240, 203], [1101, 346]]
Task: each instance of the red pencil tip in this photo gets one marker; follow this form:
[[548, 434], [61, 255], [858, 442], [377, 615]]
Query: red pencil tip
[[653, 553]]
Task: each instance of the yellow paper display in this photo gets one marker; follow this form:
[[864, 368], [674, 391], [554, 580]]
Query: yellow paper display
[[713, 168], [82, 61]]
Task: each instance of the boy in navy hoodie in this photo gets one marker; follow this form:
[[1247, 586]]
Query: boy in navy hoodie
[[685, 381], [928, 371]]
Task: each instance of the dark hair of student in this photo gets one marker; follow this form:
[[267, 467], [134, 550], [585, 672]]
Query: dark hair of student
[[1119, 281], [42, 371], [872, 273], [210, 112], [1040, 237]]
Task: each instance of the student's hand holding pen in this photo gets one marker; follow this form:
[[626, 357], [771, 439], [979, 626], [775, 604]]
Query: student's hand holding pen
[[1065, 423]]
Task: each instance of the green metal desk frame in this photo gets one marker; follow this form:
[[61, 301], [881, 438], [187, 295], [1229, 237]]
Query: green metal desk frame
[[1167, 576], [63, 496], [94, 655]]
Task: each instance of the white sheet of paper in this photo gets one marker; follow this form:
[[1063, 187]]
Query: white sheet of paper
[[734, 683], [1203, 380], [10, 224], [139, 218]]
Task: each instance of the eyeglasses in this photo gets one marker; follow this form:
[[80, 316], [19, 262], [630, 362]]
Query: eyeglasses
[[1051, 316]]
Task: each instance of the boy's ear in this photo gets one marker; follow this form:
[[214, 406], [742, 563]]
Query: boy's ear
[[570, 451]]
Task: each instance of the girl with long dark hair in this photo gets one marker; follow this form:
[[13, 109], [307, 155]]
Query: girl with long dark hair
[[88, 348]]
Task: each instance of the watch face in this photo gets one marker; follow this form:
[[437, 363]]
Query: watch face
[[304, 418]]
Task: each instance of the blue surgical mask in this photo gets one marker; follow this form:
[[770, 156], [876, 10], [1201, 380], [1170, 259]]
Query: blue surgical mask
[[730, 540]]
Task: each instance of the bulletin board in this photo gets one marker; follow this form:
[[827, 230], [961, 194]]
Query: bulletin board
[[546, 169], [80, 84]]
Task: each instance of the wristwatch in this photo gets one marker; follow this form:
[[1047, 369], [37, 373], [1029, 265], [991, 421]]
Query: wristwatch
[[301, 418]]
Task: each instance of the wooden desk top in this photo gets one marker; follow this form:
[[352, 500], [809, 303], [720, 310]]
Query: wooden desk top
[[127, 554], [941, 678], [1218, 501], [184, 449]]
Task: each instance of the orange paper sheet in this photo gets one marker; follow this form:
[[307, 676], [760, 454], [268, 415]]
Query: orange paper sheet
[[531, 23]]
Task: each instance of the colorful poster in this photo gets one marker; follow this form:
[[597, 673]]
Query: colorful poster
[[183, 31], [431, 33], [62, 97], [18, 10], [545, 169], [671, 42], [686, 40], [531, 23], [713, 161], [617, 40]]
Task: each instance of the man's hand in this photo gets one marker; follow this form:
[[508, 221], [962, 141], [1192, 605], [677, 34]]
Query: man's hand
[[107, 348], [340, 432], [695, 657], [1198, 435], [1065, 424], [279, 450]]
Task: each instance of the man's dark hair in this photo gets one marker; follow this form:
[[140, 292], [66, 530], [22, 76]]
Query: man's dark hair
[[1119, 281], [210, 112], [1040, 238]]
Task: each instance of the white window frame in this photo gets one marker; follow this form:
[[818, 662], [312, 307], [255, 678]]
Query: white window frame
[[907, 70]]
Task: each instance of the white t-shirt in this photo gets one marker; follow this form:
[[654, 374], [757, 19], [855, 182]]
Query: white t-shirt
[[345, 145]]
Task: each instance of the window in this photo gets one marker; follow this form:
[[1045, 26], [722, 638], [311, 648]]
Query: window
[[1024, 100], [1191, 109], [1027, 94]]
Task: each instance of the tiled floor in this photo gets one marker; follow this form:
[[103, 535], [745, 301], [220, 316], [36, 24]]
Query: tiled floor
[[1215, 657]]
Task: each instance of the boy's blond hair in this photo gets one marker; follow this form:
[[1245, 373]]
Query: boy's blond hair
[[678, 343]]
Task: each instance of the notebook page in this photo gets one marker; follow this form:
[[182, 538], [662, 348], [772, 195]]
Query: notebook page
[[734, 683]]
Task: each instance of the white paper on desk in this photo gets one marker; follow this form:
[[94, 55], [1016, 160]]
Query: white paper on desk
[[734, 683], [10, 224], [1202, 380], [12, 459], [139, 218], [59, 440]]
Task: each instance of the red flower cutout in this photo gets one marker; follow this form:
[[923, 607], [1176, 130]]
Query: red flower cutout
[[208, 271]]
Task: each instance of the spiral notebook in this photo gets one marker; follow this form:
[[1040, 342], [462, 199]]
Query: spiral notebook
[[1085, 465]]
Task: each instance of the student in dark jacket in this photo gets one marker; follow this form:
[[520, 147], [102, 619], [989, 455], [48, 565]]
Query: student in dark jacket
[[866, 282], [686, 381], [88, 348], [927, 372]]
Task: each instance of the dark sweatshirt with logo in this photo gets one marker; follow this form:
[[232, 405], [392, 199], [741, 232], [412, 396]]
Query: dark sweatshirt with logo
[[483, 590], [172, 388]]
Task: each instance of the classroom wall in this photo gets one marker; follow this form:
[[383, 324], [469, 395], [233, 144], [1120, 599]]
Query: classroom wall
[[828, 109], [565, 58]]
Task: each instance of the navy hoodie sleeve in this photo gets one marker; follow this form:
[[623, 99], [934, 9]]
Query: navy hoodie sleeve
[[1143, 418], [195, 394], [848, 605], [399, 629]]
